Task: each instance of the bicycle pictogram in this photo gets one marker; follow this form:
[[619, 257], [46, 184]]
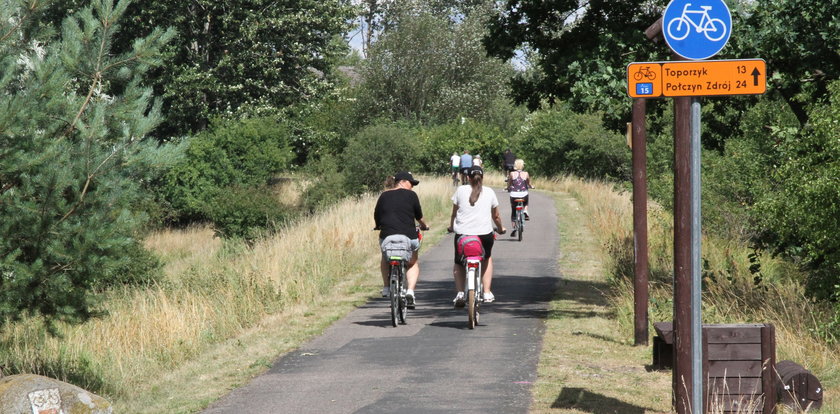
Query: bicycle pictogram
[[712, 28], [644, 72]]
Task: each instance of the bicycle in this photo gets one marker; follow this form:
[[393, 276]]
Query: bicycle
[[397, 251], [706, 25], [644, 71], [399, 305], [472, 253], [519, 223]]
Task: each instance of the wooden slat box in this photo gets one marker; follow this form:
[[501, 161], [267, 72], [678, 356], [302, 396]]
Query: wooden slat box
[[738, 364]]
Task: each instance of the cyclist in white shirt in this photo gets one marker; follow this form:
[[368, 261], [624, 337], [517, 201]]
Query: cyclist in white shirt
[[475, 212], [455, 163]]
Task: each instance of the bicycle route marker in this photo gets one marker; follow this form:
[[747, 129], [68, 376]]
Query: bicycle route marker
[[697, 78], [696, 29]]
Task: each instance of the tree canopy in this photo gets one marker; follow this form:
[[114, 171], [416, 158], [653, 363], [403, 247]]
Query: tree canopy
[[243, 56]]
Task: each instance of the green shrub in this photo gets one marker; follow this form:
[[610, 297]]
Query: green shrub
[[557, 141], [136, 266], [245, 212], [239, 153], [329, 187], [376, 152]]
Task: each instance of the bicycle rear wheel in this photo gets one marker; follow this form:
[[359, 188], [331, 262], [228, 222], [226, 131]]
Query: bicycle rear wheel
[[394, 296], [403, 304], [471, 308], [521, 224]]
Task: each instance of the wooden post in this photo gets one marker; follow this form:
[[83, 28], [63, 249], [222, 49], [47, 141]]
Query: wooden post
[[640, 234], [682, 256], [768, 366]]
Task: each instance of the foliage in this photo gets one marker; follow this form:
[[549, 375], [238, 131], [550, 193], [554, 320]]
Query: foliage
[[581, 50], [376, 152], [559, 141], [240, 57], [801, 215], [72, 114], [800, 47], [136, 266], [736, 178], [439, 142], [245, 212], [429, 68], [244, 153], [329, 186]]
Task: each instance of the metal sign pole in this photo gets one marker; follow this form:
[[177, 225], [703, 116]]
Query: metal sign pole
[[696, 293], [682, 377], [640, 232]]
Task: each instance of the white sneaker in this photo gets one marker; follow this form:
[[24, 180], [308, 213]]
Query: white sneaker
[[409, 299], [459, 300], [386, 291], [489, 297]]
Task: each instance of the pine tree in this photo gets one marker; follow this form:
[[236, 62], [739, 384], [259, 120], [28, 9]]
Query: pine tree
[[71, 117]]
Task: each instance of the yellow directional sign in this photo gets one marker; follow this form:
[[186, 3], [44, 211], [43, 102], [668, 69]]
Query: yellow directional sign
[[697, 78]]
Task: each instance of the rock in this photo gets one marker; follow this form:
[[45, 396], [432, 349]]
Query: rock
[[34, 394]]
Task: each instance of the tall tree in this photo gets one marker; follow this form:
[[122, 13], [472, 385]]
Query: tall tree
[[249, 56], [579, 48], [432, 68], [72, 113], [800, 42]]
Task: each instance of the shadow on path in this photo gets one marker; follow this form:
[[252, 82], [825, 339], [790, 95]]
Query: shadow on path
[[590, 402]]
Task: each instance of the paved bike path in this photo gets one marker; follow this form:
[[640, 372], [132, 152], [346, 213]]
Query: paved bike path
[[434, 364]]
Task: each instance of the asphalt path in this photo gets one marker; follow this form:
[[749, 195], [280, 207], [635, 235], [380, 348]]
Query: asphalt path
[[434, 363]]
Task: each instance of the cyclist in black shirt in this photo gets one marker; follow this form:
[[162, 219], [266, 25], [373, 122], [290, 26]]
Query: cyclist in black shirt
[[395, 213]]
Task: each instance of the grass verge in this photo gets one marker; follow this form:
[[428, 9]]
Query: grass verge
[[586, 364]]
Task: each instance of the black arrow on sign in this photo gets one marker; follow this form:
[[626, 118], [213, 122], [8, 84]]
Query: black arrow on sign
[[755, 73]]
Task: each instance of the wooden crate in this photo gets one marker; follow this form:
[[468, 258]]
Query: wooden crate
[[738, 364]]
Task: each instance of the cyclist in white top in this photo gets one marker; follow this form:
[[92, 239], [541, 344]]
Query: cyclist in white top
[[454, 162], [475, 212]]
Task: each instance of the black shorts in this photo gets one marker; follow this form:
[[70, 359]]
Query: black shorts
[[508, 167], [466, 171], [487, 241]]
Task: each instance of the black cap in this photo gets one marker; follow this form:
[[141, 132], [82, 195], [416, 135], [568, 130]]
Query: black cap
[[476, 170], [405, 175]]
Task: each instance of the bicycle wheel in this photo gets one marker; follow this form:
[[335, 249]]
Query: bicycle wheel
[[479, 287], [714, 30], [394, 296], [679, 28], [471, 307], [520, 222], [403, 305]]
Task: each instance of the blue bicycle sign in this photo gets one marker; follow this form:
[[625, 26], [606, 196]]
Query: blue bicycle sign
[[696, 29]]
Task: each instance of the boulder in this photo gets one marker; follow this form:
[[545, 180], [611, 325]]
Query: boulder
[[34, 394]]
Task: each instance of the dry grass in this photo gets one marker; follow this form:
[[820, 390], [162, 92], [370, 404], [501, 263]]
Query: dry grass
[[213, 293]]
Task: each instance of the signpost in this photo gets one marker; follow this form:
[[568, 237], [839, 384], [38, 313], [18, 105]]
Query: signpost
[[694, 30], [697, 78]]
